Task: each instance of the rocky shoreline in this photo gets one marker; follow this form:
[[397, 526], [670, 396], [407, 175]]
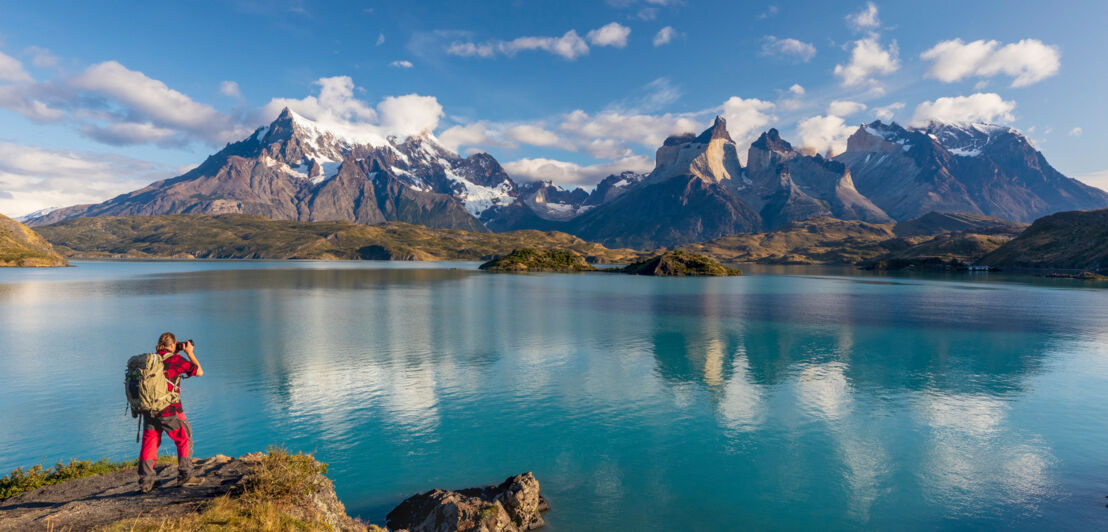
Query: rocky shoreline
[[261, 491]]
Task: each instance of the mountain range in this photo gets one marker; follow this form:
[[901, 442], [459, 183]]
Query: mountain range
[[294, 169]]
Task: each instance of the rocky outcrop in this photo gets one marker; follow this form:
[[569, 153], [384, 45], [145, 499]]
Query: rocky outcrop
[[98, 501], [257, 491], [20, 246], [712, 156], [786, 186], [512, 506]]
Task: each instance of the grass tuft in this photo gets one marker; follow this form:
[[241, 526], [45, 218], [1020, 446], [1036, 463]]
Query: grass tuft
[[20, 480], [274, 498]]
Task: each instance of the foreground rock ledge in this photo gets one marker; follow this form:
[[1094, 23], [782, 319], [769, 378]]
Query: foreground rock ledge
[[113, 501], [514, 505]]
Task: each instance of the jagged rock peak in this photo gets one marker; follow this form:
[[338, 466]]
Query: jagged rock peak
[[771, 141], [717, 131]]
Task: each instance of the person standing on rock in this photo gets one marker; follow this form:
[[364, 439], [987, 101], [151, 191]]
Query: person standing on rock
[[171, 420]]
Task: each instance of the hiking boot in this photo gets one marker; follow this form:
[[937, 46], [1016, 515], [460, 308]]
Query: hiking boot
[[147, 488], [189, 481]]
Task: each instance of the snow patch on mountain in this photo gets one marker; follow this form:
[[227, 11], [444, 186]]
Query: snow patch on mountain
[[34, 215], [477, 198]]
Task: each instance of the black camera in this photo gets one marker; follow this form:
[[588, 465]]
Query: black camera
[[181, 345]]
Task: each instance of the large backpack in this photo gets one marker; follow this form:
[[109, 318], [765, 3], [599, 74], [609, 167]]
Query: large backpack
[[147, 389]]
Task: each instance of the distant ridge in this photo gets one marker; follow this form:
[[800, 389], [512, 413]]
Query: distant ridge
[[296, 169]]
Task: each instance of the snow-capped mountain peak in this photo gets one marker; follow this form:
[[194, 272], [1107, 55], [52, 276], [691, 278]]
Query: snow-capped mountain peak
[[967, 139]]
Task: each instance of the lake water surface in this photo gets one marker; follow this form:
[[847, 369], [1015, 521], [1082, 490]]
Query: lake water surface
[[769, 401]]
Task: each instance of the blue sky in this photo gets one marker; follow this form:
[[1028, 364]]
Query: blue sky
[[95, 101]]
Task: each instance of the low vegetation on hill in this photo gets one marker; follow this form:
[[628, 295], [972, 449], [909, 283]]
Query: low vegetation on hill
[[679, 264], [815, 241], [538, 260], [948, 251], [20, 246], [934, 223], [240, 236], [1075, 240], [934, 238]]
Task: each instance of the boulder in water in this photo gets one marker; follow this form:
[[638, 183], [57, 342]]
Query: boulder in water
[[514, 505]]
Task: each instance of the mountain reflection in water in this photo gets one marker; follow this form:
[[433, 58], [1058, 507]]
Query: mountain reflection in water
[[774, 401]]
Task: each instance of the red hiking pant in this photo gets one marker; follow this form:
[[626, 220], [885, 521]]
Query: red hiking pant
[[178, 431]]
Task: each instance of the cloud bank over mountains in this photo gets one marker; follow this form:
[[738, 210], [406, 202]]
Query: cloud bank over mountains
[[117, 106]]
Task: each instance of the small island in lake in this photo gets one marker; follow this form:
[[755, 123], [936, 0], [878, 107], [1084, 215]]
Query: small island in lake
[[679, 264], [538, 260], [668, 264]]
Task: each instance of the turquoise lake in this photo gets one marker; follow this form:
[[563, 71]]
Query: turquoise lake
[[786, 399]]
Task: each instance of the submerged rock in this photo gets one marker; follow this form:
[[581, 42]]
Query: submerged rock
[[679, 264], [514, 505]]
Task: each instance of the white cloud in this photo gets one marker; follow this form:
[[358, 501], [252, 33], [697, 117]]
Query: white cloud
[[845, 108], [1026, 62], [336, 108], [469, 49], [979, 107], [664, 36], [611, 34], [475, 134], [401, 64], [41, 57], [230, 88], [823, 134], [609, 134], [1076, 132], [887, 112], [22, 99], [788, 48], [797, 89], [867, 59], [380, 39], [111, 103], [335, 104], [533, 135], [12, 70], [769, 12], [651, 97], [865, 19], [410, 114], [568, 173], [644, 129], [130, 133], [36, 178], [151, 100], [569, 46], [746, 118]]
